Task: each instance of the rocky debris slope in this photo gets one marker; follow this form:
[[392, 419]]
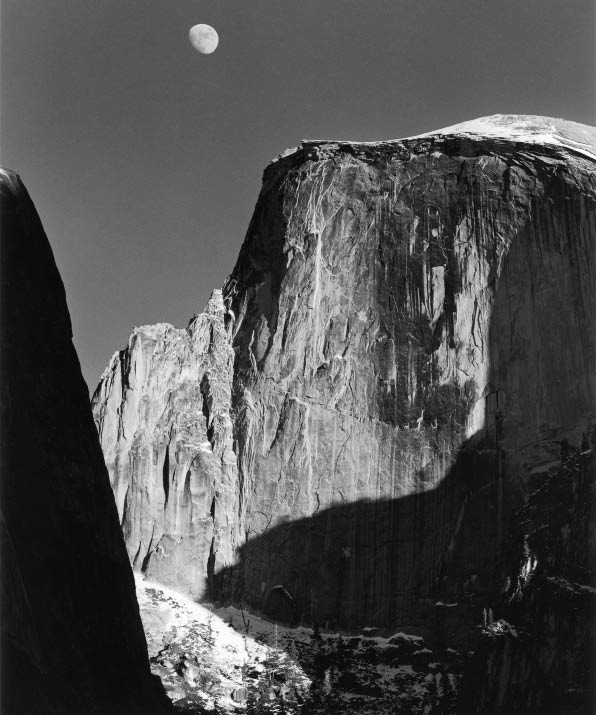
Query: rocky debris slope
[[226, 660], [407, 336], [72, 639], [202, 659], [538, 649]]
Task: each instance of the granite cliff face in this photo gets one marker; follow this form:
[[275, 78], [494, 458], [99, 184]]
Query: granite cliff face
[[407, 336], [163, 409], [72, 640], [538, 653]]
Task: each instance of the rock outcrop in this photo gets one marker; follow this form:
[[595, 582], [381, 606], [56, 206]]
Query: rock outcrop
[[72, 639], [163, 410], [538, 650], [407, 337]]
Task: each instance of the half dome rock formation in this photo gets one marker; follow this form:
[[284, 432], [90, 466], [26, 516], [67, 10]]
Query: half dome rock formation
[[344, 435], [72, 639]]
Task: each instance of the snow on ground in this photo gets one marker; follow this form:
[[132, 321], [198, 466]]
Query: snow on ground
[[200, 652], [211, 658], [406, 637], [258, 628], [165, 611]]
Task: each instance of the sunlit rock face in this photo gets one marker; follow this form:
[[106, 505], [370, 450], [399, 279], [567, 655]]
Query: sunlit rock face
[[72, 640], [163, 410], [406, 337]]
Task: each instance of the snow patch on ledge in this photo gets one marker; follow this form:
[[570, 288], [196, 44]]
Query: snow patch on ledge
[[530, 129], [525, 128]]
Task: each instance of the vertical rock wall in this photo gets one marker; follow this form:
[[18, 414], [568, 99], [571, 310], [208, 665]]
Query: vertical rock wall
[[163, 411], [412, 325], [72, 640], [399, 363], [538, 651]]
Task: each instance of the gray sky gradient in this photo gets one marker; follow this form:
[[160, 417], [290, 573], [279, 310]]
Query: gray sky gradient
[[144, 158]]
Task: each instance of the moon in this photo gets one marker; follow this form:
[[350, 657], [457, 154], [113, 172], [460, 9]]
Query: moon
[[203, 38]]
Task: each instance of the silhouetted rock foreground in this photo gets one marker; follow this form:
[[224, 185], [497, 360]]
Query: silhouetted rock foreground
[[72, 640], [345, 434]]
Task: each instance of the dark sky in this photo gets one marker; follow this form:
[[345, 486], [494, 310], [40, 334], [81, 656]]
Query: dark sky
[[144, 158]]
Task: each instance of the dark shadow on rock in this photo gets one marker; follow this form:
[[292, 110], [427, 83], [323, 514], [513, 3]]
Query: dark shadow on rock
[[387, 563], [72, 639], [380, 563], [539, 654]]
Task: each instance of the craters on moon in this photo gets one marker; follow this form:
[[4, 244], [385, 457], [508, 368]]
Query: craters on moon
[[203, 38]]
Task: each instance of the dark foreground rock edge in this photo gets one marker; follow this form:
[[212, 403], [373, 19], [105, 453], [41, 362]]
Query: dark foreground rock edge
[[72, 639]]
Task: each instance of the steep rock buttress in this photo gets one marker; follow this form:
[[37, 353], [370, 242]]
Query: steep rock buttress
[[72, 639], [407, 337], [163, 412], [537, 653]]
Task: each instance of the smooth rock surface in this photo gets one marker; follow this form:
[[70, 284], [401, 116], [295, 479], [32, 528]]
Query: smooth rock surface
[[72, 639], [406, 338]]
